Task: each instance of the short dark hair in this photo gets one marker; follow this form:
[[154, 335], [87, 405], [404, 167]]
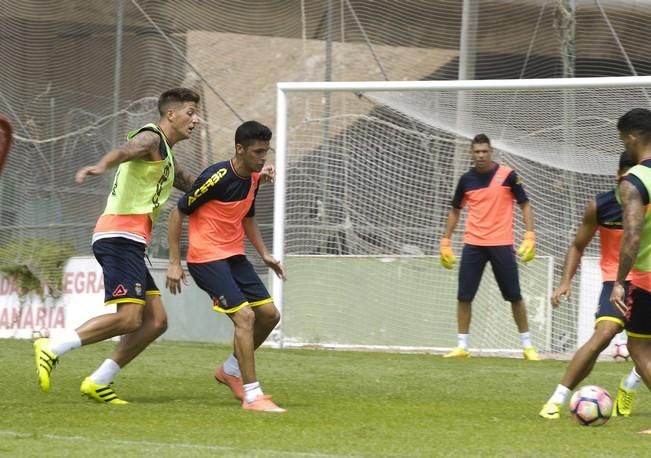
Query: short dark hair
[[636, 120], [250, 131], [626, 161], [176, 95], [480, 138]]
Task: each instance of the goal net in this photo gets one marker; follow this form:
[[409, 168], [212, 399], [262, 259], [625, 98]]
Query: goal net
[[366, 173]]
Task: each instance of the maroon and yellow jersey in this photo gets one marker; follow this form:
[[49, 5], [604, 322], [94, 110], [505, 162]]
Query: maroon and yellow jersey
[[218, 202], [489, 197]]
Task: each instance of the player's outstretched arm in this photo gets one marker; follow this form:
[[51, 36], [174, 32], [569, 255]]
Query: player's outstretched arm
[[252, 232], [142, 145], [175, 274], [584, 235]]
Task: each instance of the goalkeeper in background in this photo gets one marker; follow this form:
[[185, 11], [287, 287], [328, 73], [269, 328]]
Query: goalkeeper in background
[[604, 214], [489, 190]]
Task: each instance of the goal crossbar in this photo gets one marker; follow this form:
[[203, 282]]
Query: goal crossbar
[[456, 85]]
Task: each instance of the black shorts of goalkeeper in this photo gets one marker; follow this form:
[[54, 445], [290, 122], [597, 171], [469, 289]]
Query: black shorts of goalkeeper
[[505, 269]]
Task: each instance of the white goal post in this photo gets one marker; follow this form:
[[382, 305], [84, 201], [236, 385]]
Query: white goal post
[[363, 254]]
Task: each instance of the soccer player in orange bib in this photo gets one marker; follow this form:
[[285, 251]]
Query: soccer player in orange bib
[[603, 214], [221, 210], [635, 252], [146, 173], [488, 190]]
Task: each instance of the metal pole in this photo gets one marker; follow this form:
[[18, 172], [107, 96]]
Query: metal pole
[[328, 43], [119, 16], [467, 59], [567, 28], [328, 69], [468, 40], [279, 205], [325, 170]]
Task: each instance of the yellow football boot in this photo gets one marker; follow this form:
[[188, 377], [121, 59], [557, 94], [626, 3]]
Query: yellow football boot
[[458, 352], [530, 354], [551, 411], [46, 361], [623, 405], [100, 393]]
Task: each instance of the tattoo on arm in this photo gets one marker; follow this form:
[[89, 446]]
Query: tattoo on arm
[[633, 224], [182, 179], [143, 144]]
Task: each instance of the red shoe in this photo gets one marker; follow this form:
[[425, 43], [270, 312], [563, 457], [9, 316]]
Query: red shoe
[[232, 382], [262, 403]]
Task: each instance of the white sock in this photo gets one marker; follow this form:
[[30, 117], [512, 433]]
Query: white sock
[[525, 338], [67, 340], [252, 391], [232, 367], [560, 395], [105, 372], [462, 341], [632, 380]]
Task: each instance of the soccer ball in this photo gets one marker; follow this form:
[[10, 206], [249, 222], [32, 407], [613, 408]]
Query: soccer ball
[[40, 333], [591, 405], [620, 352]]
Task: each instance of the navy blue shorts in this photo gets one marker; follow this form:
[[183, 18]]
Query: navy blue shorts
[[231, 283], [126, 277], [473, 262], [606, 311], [638, 315]]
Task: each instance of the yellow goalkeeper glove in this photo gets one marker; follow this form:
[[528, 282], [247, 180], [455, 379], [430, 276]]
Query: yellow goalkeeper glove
[[448, 259], [527, 250]]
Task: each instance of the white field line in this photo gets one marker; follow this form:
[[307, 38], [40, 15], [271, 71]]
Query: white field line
[[168, 445]]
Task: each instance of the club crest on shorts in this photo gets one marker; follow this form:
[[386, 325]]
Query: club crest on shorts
[[138, 288], [119, 291]]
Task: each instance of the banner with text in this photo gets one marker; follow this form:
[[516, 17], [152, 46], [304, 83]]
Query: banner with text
[[83, 298]]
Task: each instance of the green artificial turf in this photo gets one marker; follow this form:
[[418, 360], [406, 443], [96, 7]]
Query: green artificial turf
[[339, 404]]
